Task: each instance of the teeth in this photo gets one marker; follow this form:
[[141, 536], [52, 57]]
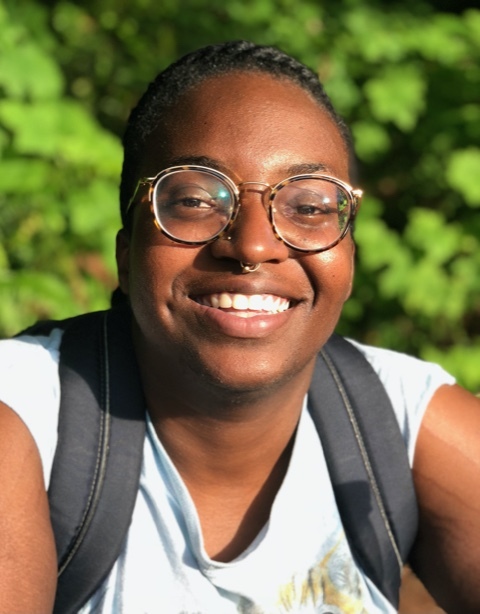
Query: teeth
[[225, 301], [268, 303], [256, 302], [243, 302]]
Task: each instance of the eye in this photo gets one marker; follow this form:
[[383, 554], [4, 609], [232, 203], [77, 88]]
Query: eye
[[191, 203], [307, 207], [192, 197], [313, 209]]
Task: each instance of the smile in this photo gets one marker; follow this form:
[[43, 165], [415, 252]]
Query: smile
[[245, 305]]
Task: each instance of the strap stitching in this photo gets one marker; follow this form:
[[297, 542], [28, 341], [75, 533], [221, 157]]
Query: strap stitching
[[101, 459], [364, 454]]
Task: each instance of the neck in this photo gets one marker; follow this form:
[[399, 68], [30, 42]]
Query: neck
[[227, 435], [186, 399], [231, 442], [232, 469], [231, 447]]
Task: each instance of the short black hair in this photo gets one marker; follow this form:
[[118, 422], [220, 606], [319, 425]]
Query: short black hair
[[195, 67]]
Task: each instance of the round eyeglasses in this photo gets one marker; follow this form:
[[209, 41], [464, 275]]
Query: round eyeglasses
[[195, 205]]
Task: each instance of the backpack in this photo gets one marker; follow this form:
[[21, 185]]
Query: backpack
[[96, 469]]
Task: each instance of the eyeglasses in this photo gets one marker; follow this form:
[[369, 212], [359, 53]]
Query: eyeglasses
[[195, 205]]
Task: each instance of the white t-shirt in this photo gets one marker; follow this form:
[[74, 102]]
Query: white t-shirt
[[299, 562]]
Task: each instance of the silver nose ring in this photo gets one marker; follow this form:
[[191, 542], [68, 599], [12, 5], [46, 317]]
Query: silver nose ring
[[249, 268]]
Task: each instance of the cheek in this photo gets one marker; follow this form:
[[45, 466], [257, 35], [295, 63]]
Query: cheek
[[332, 272], [152, 291], [148, 262], [151, 274], [141, 270], [157, 267]]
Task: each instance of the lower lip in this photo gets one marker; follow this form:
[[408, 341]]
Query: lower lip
[[252, 327]]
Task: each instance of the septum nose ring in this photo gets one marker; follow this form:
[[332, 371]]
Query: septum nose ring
[[249, 268]]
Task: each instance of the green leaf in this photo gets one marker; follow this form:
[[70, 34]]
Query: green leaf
[[461, 361], [429, 232], [463, 173], [371, 139], [375, 34], [4, 141], [62, 130], [397, 95], [441, 39], [427, 289], [27, 71], [379, 246], [95, 208], [24, 176]]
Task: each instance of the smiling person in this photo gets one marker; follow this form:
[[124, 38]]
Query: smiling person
[[234, 261]]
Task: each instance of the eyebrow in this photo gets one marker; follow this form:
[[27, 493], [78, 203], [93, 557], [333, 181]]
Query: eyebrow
[[198, 161], [307, 167], [303, 168]]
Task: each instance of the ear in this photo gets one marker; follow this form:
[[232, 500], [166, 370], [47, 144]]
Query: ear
[[122, 254]]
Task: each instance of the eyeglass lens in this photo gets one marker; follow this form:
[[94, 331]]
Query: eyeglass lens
[[193, 205], [196, 206]]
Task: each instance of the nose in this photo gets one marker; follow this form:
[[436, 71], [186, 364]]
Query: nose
[[251, 237]]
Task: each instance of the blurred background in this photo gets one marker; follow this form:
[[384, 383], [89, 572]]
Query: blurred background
[[405, 75]]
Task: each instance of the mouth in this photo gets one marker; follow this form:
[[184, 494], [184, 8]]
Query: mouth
[[245, 305]]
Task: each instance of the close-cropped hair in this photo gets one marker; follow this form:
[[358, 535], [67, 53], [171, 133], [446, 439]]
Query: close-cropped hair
[[192, 69]]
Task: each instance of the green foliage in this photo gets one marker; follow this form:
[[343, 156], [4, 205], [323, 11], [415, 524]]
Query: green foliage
[[58, 185], [405, 76], [462, 170]]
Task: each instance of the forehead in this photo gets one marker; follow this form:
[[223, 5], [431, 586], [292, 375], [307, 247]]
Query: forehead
[[255, 126]]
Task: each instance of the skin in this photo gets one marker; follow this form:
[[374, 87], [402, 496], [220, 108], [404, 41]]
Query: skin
[[446, 471], [28, 564]]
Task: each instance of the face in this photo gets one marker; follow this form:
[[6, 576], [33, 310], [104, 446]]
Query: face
[[197, 316]]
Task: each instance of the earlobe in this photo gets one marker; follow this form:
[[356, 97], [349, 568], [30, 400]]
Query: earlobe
[[352, 269], [348, 290], [123, 257]]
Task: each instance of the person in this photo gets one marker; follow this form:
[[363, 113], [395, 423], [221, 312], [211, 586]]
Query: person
[[236, 257]]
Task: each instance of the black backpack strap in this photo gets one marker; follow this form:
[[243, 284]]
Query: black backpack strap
[[367, 460], [96, 469]]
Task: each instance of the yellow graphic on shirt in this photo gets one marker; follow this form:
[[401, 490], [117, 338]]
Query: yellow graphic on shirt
[[332, 582]]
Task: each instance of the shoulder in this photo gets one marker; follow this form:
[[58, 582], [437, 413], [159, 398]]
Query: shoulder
[[447, 476], [29, 385], [410, 384], [406, 370], [25, 349], [27, 548]]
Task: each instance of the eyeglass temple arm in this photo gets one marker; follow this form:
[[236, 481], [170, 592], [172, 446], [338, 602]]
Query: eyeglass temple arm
[[144, 181], [357, 201]]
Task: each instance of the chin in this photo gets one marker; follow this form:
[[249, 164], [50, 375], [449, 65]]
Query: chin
[[242, 377]]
